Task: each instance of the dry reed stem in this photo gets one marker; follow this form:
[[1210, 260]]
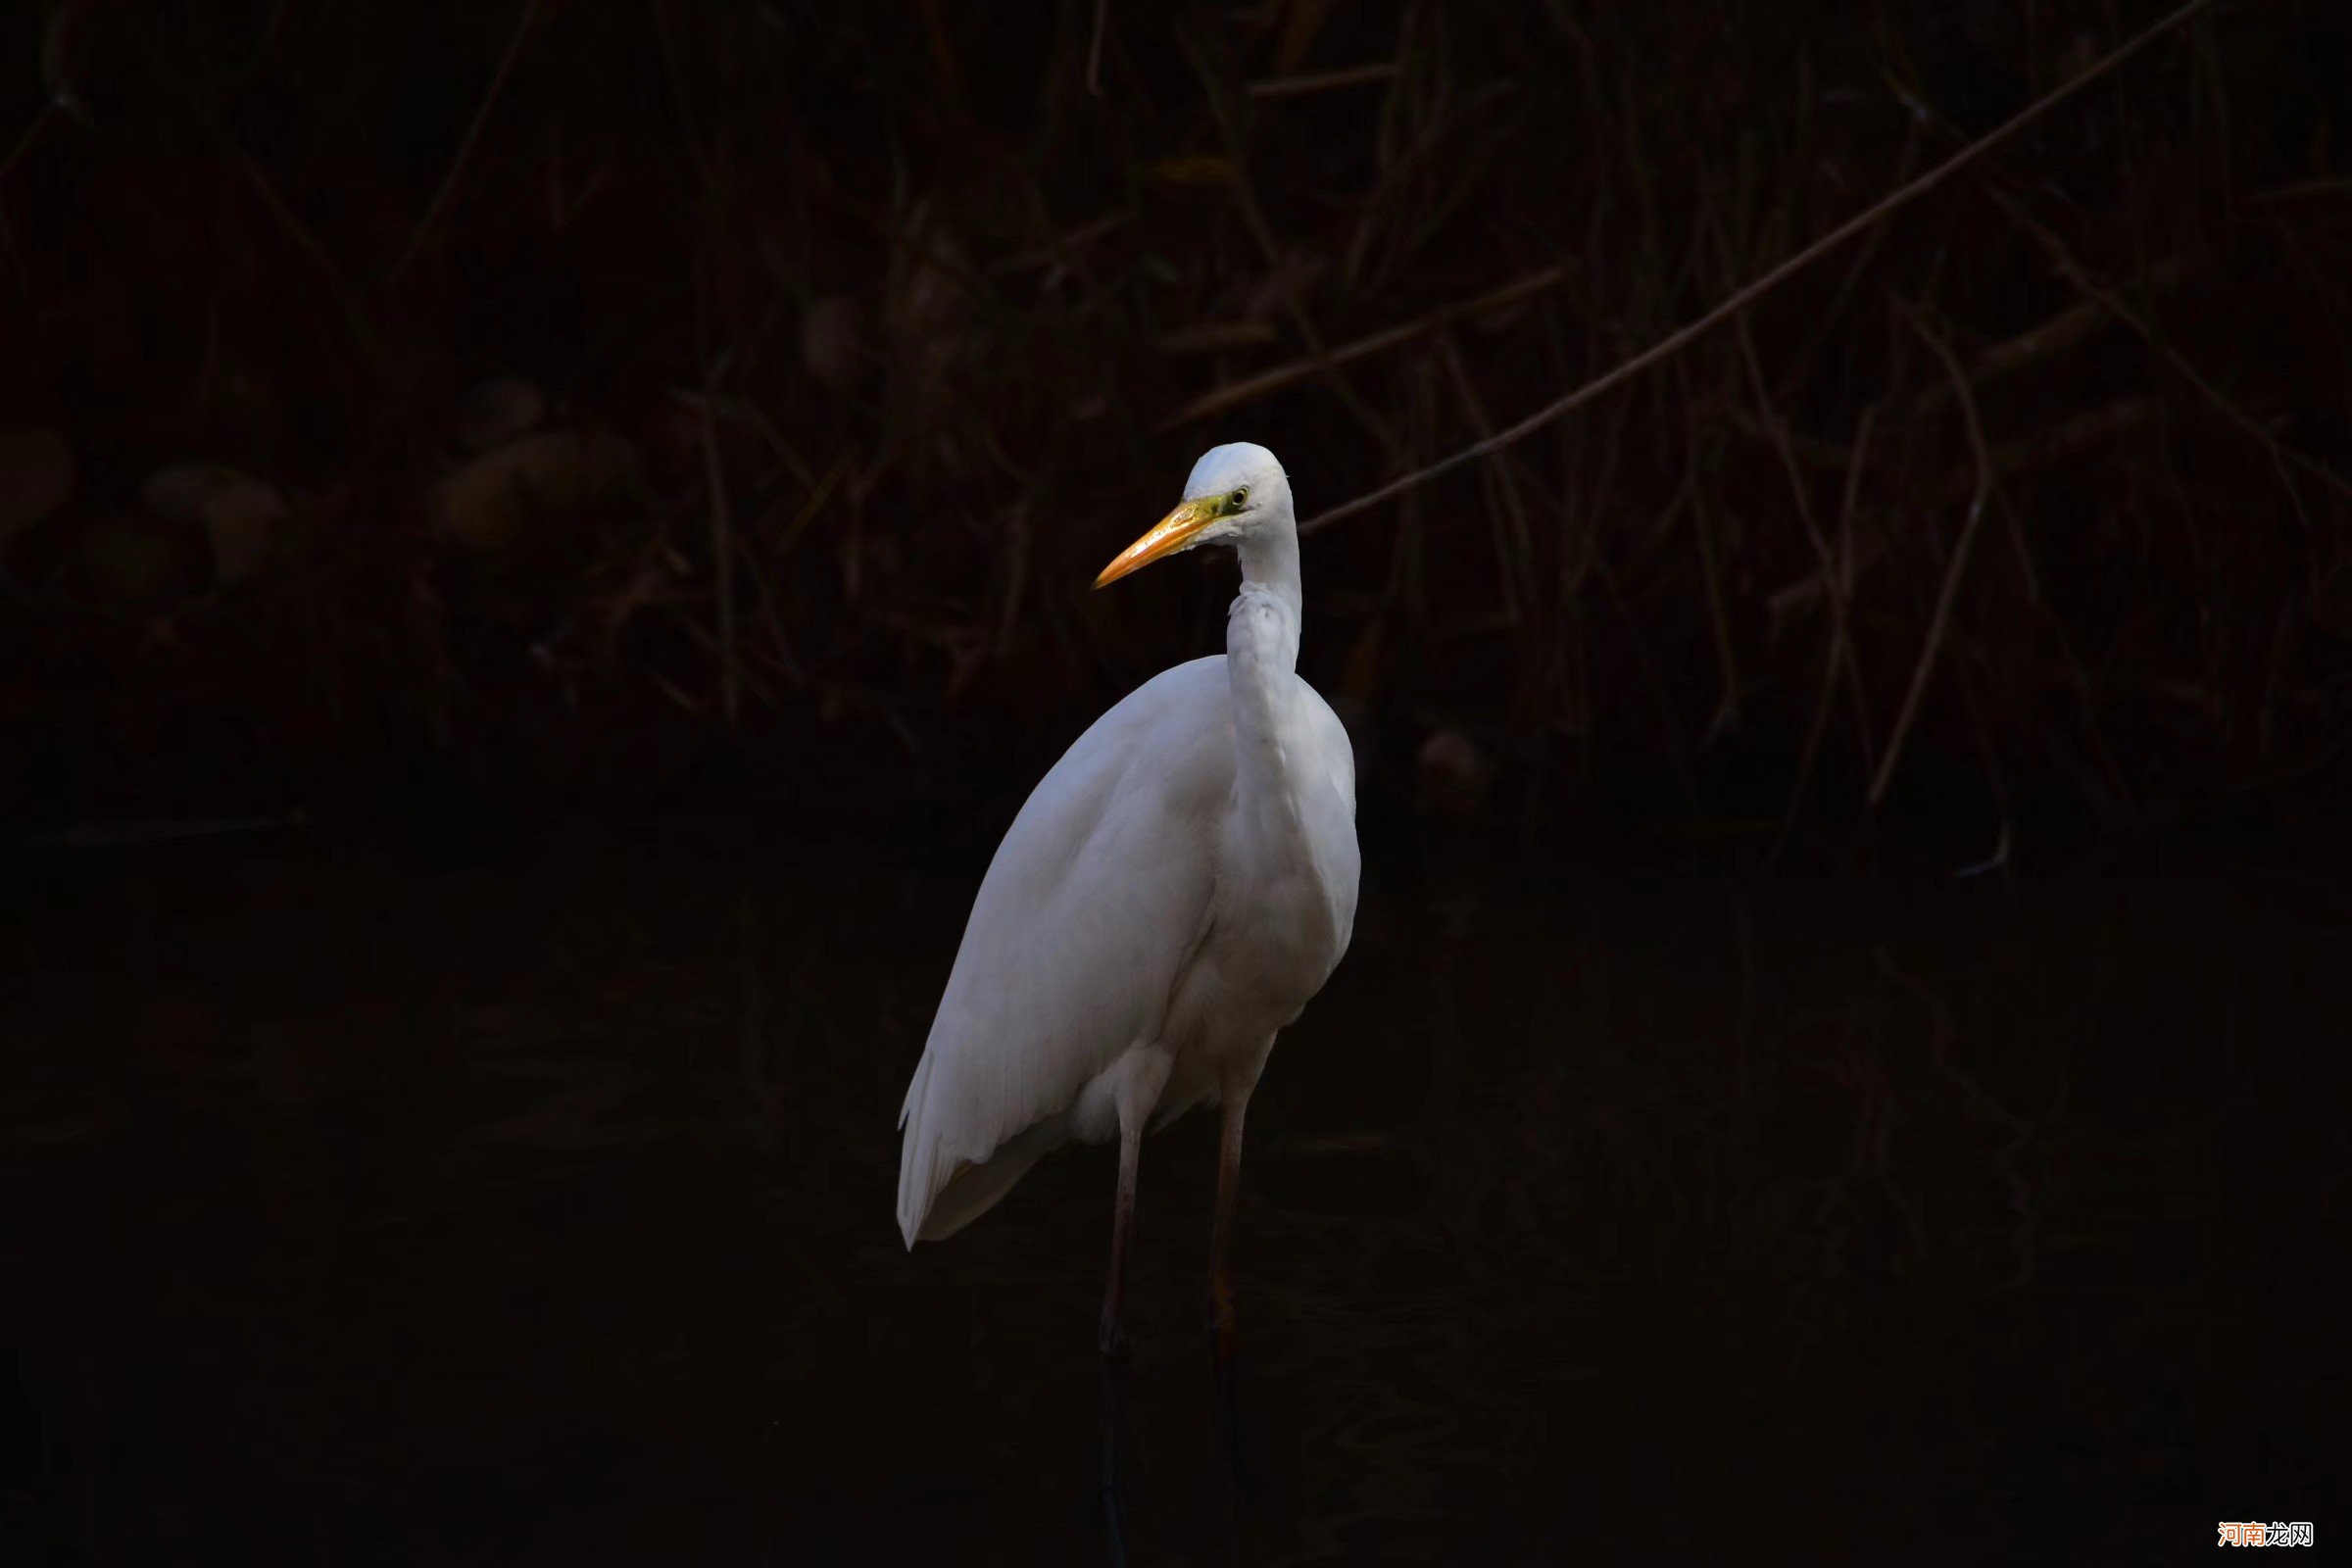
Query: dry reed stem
[[1094, 48], [1251, 388], [1838, 569], [1300, 86], [722, 558], [307, 242], [1849, 506], [1589, 498], [1727, 661], [2070, 328], [1801, 493], [1939, 623], [1678, 753], [1512, 547], [2106, 299], [1739, 301], [473, 133], [1833, 573], [1253, 218]]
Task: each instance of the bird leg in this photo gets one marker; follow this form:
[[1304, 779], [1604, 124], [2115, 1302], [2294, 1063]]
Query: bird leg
[[1115, 1345], [1220, 1285]]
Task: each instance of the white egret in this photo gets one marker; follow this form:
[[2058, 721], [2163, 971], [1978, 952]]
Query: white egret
[[1171, 895]]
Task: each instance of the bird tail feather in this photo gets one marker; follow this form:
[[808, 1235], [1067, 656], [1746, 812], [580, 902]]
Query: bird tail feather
[[918, 1155], [973, 1190], [940, 1193]]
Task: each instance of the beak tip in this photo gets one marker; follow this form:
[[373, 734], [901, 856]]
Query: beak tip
[[1174, 532]]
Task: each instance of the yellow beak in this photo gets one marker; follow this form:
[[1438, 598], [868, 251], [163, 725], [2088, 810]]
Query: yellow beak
[[1170, 534]]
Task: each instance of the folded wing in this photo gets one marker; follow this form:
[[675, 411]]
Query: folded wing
[[1079, 935]]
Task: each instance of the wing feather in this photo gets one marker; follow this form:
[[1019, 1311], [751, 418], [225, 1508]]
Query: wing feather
[[1076, 941]]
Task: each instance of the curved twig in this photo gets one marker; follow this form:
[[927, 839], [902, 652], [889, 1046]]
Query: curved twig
[[1683, 336], [473, 133], [1941, 622]]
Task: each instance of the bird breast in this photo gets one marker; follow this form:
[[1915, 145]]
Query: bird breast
[[1288, 867]]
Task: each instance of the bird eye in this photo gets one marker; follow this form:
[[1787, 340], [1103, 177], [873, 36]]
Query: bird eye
[[1239, 496]]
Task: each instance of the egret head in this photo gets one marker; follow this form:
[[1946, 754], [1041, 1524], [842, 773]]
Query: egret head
[[1234, 491]]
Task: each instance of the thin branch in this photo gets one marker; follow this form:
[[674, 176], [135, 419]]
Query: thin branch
[[722, 556], [1837, 576], [1727, 664], [2069, 328], [1094, 50], [1253, 218], [1513, 546], [474, 133], [2107, 300], [1249, 388], [1321, 81], [1833, 567], [1678, 340], [1941, 624], [2093, 427], [1801, 493], [172, 82]]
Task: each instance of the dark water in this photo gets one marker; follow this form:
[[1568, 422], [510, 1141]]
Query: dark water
[[544, 1213]]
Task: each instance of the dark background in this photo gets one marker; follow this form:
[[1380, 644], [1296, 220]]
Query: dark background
[[541, 545]]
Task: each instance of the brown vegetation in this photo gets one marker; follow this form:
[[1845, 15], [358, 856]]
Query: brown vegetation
[[585, 388]]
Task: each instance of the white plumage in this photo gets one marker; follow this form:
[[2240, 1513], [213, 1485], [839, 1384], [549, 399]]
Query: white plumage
[[1172, 894]]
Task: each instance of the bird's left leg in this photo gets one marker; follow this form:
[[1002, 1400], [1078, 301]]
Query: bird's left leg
[[1114, 1352], [1146, 1074], [1234, 1105]]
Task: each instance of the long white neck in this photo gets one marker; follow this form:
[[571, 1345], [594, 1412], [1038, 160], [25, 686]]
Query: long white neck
[[1270, 563], [1261, 628], [1261, 656]]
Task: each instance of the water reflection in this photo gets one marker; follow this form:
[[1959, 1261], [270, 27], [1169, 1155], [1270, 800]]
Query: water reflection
[[545, 1211]]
